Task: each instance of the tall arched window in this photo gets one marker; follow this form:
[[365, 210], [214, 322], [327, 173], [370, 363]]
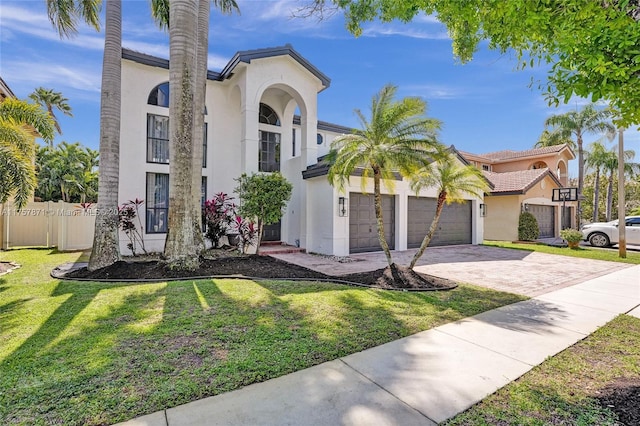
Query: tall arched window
[[268, 115], [160, 95]]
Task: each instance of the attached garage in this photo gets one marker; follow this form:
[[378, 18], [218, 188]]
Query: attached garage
[[363, 232], [545, 215], [454, 226]]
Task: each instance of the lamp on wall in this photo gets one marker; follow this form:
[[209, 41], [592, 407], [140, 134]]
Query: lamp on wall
[[343, 206], [525, 207], [483, 210]]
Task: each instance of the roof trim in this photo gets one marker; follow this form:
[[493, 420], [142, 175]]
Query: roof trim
[[247, 56], [154, 61], [6, 89], [326, 126]]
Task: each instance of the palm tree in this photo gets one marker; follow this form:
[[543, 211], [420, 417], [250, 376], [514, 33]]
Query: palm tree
[[188, 23], [398, 137], [611, 165], [64, 16], [453, 182], [48, 99], [579, 123], [596, 160], [554, 137], [18, 120]]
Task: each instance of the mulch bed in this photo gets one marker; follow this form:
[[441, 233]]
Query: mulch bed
[[254, 266], [623, 398]]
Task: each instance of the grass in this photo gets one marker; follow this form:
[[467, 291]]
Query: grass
[[96, 353], [565, 389], [582, 252]]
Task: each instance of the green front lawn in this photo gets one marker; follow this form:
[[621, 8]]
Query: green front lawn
[[565, 389], [583, 252], [96, 353]]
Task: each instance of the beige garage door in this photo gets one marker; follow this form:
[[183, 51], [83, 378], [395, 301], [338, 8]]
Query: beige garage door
[[546, 219], [363, 233]]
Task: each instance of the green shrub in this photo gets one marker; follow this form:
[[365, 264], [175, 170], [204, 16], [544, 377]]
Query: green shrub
[[571, 235], [528, 227]]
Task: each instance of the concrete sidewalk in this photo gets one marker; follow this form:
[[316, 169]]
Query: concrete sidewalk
[[425, 378]]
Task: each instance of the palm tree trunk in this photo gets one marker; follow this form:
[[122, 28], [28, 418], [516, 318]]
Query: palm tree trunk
[[609, 195], [180, 250], [596, 196], [377, 201], [106, 244], [580, 180], [198, 130], [442, 196]]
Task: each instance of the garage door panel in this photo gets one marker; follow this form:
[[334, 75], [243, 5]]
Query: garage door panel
[[546, 219], [363, 231], [454, 226]]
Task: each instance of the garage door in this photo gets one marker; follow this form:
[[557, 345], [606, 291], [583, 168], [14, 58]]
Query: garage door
[[546, 219], [363, 233], [454, 226]]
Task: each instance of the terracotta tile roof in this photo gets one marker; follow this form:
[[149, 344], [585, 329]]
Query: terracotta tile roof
[[509, 154], [517, 182]]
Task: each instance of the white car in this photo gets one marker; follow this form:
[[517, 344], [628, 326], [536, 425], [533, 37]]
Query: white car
[[605, 234]]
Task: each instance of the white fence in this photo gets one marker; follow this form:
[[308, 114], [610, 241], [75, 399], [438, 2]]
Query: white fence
[[47, 224]]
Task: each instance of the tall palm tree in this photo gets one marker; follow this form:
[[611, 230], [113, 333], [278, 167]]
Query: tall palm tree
[[596, 160], [64, 15], [188, 45], [48, 99], [578, 124], [18, 119], [397, 138], [611, 166], [453, 182]]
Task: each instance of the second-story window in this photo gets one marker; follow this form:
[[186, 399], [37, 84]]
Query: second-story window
[[157, 139]]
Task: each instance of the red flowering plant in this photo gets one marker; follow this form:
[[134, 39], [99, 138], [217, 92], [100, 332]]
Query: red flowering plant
[[247, 232], [219, 217]]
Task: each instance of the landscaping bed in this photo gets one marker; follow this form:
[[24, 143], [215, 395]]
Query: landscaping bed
[[254, 266]]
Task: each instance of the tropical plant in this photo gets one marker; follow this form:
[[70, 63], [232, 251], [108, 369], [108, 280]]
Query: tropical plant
[[48, 99], [611, 166], [528, 227], [578, 124], [453, 181], [397, 138], [247, 233], [127, 215], [596, 160], [262, 198], [556, 136], [219, 215], [18, 122], [67, 172]]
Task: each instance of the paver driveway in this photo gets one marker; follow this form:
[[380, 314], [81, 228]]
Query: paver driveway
[[515, 271]]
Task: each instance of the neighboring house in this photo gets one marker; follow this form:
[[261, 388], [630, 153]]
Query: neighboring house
[[524, 181], [261, 116]]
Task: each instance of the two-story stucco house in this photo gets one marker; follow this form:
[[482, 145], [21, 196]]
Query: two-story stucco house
[[262, 116], [524, 181]]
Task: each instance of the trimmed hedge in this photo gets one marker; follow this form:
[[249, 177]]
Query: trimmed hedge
[[528, 227]]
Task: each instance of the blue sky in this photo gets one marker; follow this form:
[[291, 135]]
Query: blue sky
[[484, 105]]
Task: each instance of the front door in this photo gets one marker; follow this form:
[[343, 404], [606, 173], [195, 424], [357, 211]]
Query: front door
[[272, 232]]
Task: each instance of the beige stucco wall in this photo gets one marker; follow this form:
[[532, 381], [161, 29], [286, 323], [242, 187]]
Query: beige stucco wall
[[503, 211]]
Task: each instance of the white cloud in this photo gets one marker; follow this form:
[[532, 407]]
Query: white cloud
[[435, 91], [37, 25], [403, 30], [57, 76]]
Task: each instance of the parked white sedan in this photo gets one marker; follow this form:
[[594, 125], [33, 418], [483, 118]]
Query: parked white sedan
[[605, 234]]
